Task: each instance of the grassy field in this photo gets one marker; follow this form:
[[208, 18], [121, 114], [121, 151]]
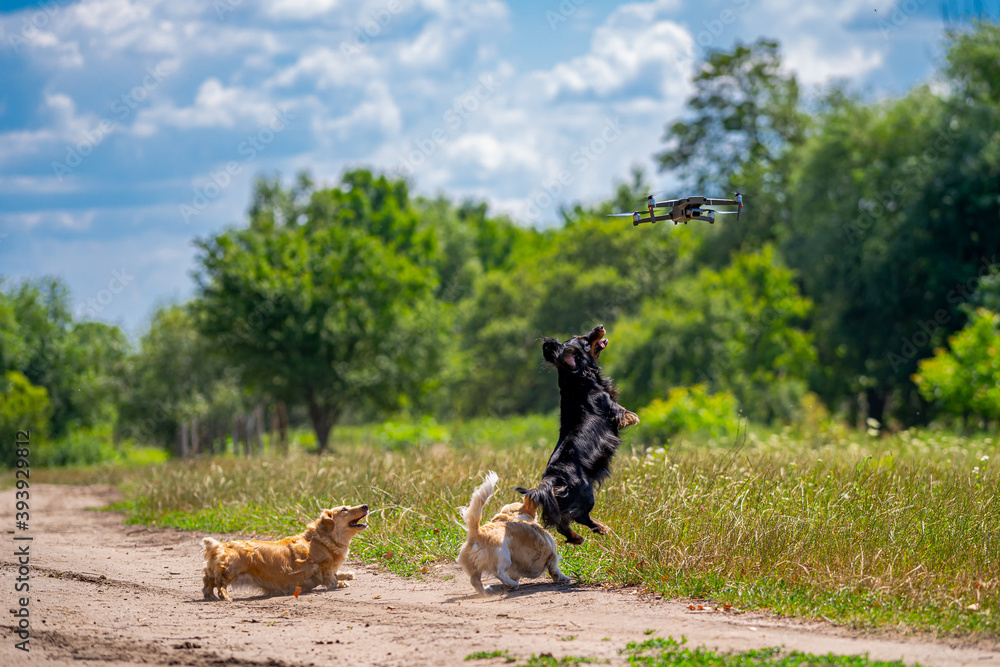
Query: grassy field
[[897, 532]]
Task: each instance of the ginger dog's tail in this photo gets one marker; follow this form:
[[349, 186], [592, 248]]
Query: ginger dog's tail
[[473, 514], [208, 546]]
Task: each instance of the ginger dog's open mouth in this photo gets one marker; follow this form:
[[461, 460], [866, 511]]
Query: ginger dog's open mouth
[[356, 523]]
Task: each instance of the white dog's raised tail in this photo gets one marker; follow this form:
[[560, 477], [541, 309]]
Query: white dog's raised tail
[[473, 514]]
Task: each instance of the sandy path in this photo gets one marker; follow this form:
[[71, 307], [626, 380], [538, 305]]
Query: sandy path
[[113, 594]]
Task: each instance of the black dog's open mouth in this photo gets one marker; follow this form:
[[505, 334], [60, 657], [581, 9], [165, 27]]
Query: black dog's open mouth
[[598, 340]]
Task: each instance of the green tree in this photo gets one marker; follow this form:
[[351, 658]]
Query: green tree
[[559, 283], [740, 330], [175, 376], [331, 310], [78, 363], [745, 111], [744, 120], [893, 223], [964, 379], [23, 407], [13, 347]]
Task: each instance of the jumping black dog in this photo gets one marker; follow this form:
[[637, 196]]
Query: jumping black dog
[[589, 421]]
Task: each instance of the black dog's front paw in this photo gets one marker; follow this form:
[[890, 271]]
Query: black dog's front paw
[[600, 528], [628, 419]]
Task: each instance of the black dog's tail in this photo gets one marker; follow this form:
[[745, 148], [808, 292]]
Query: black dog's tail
[[545, 499]]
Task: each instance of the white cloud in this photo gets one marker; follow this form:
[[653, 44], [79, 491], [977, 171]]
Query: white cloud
[[35, 185], [63, 125], [67, 54], [813, 65], [817, 42], [73, 220], [429, 48], [377, 111], [327, 68], [633, 45], [454, 24], [214, 105], [299, 9], [110, 16], [491, 152]]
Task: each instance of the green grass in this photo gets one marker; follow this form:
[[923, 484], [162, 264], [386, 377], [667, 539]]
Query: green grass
[[896, 532], [490, 655], [546, 660], [670, 652]]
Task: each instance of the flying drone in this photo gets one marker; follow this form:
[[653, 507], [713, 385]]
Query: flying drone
[[683, 210]]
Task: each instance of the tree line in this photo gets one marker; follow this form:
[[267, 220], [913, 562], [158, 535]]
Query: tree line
[[862, 274]]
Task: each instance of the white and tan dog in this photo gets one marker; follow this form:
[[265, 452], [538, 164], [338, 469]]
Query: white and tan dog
[[511, 546], [301, 561]]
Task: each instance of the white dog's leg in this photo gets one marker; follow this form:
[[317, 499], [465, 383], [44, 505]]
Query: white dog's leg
[[557, 576], [503, 562], [477, 583]]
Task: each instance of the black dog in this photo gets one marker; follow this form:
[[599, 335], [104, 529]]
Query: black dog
[[589, 421]]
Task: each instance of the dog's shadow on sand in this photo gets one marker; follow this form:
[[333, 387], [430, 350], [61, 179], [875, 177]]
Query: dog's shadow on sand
[[258, 597], [502, 593]]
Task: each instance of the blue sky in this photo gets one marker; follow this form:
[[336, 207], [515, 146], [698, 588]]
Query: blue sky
[[129, 128]]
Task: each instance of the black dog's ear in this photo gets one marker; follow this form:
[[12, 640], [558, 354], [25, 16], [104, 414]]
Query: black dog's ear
[[550, 349]]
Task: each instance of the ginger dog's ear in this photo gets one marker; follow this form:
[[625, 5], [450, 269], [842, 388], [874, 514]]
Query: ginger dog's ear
[[529, 506]]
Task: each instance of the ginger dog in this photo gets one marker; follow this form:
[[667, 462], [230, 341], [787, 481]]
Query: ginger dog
[[302, 561]]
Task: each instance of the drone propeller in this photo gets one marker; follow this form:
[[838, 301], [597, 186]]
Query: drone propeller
[[654, 195], [620, 215], [739, 198]]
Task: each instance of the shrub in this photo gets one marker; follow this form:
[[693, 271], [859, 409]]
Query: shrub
[[689, 410], [80, 446], [23, 407], [398, 435]]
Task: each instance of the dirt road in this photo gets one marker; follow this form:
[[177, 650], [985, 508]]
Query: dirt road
[[107, 593]]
